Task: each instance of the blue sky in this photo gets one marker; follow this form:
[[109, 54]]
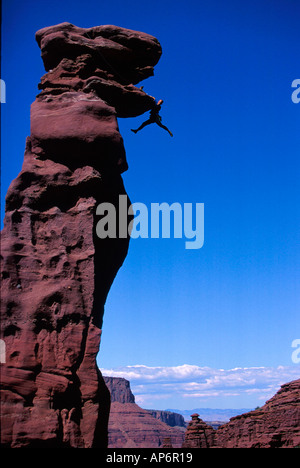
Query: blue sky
[[225, 76]]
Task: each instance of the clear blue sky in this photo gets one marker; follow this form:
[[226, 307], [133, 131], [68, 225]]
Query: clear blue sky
[[225, 76]]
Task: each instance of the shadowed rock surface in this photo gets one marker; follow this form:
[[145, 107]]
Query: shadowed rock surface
[[55, 272], [168, 417], [106, 60]]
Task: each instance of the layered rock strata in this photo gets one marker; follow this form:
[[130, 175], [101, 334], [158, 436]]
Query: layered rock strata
[[119, 389], [130, 426], [275, 425], [198, 434], [55, 271]]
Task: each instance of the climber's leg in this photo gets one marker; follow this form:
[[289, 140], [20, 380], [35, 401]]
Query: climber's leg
[[144, 124], [164, 127]]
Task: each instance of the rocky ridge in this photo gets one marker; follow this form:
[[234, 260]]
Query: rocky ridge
[[275, 425]]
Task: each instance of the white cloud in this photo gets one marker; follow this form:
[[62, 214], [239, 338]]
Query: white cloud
[[191, 381], [200, 395]]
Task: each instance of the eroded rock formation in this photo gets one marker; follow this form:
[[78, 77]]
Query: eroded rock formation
[[131, 426], [55, 271], [198, 434], [274, 425]]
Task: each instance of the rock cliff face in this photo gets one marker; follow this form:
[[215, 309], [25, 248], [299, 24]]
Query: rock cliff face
[[133, 427], [119, 390], [275, 425], [55, 271], [169, 418]]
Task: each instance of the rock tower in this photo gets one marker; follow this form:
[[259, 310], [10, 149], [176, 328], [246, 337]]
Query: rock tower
[[55, 271]]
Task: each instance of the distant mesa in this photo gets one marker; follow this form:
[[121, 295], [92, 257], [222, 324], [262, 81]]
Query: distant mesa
[[168, 417], [130, 426]]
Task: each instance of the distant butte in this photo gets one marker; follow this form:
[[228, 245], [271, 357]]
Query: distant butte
[[130, 426]]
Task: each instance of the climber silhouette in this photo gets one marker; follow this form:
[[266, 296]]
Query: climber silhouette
[[154, 118]]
